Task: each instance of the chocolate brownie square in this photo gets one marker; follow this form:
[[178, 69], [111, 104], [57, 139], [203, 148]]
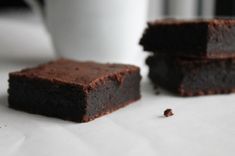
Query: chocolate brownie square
[[72, 90], [192, 77], [214, 38]]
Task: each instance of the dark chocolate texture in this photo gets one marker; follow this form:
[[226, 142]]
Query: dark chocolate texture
[[168, 112], [192, 77], [213, 38], [72, 90]]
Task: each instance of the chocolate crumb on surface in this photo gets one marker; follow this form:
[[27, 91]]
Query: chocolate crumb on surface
[[156, 89], [157, 92], [168, 112]]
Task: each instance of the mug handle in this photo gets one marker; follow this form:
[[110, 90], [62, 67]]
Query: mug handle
[[37, 8]]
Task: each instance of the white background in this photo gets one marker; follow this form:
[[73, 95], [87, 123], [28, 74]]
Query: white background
[[202, 126]]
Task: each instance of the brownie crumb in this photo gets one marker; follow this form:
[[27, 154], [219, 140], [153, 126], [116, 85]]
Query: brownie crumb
[[168, 112], [156, 89], [157, 92]]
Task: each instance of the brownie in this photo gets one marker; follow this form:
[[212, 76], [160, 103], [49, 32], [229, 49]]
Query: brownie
[[192, 77], [72, 90], [214, 38]]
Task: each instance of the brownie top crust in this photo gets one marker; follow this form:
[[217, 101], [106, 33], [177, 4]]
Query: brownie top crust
[[84, 74], [184, 61], [216, 21]]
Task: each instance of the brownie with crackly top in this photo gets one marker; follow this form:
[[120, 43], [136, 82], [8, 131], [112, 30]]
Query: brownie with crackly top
[[211, 38], [72, 90], [192, 77]]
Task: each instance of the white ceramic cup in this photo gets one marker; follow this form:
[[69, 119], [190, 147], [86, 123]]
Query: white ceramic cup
[[100, 30], [183, 9]]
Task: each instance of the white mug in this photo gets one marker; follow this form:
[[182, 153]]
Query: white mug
[[183, 9], [99, 30]]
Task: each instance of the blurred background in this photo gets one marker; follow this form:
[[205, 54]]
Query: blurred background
[[24, 41], [191, 8], [159, 8]]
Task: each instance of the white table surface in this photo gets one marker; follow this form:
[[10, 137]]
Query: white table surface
[[202, 126]]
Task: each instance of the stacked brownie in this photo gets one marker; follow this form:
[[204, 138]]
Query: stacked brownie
[[191, 58]]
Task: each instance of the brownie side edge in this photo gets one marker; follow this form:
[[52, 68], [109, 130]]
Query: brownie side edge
[[204, 39], [221, 39], [113, 93], [200, 77], [175, 39], [46, 98]]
